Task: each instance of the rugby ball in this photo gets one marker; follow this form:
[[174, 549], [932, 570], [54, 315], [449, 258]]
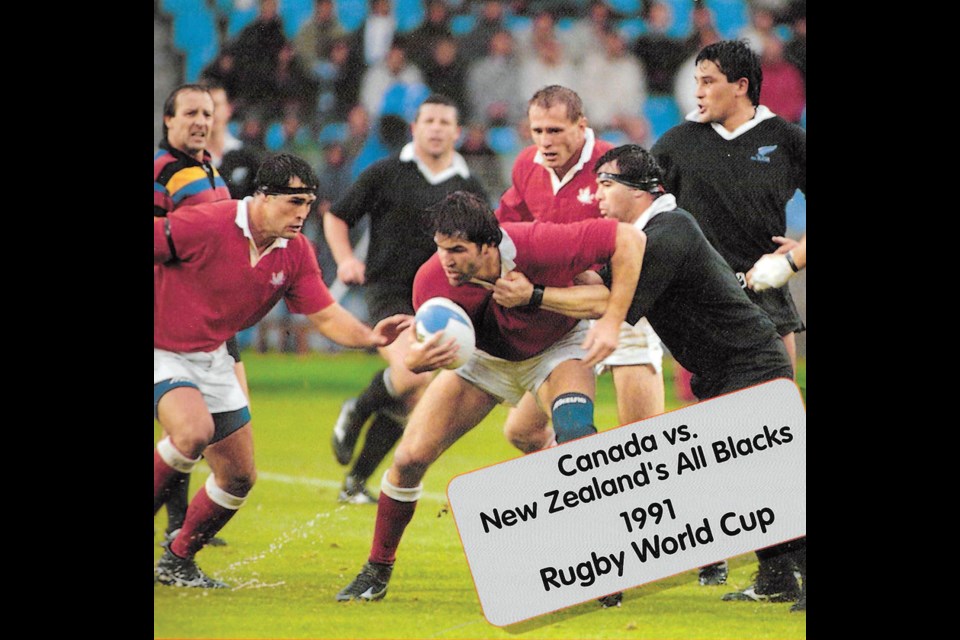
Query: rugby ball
[[443, 314]]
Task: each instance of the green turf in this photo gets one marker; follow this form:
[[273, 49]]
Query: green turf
[[292, 546]]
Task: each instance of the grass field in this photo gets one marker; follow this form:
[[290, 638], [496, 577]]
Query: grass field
[[292, 546]]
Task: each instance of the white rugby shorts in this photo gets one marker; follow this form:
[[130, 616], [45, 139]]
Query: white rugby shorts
[[213, 373], [638, 344], [508, 381]]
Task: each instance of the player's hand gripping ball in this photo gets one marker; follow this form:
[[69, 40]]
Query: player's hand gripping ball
[[443, 314]]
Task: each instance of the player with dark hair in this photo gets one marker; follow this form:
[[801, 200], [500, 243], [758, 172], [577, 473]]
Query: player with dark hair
[[553, 181], [734, 165], [220, 267], [519, 350], [694, 301], [395, 193], [184, 174]]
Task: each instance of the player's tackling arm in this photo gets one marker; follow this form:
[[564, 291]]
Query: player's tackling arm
[[603, 336], [337, 234]]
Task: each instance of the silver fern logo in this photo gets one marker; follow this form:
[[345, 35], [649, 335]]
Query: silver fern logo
[[763, 153]]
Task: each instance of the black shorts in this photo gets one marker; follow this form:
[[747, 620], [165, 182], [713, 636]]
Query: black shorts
[[386, 299], [778, 304], [233, 348], [747, 370]]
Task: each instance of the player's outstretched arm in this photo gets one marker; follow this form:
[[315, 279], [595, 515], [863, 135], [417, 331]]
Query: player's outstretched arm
[[603, 336], [337, 234], [516, 290], [625, 272], [342, 327]]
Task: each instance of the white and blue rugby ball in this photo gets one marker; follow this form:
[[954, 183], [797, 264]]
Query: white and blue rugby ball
[[443, 314]]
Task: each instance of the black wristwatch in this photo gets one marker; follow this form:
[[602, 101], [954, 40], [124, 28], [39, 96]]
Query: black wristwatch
[[536, 298]]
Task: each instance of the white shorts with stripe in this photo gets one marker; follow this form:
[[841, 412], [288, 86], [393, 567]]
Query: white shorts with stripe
[[508, 380], [213, 373]]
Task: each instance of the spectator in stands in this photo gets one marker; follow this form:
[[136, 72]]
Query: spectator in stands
[[236, 162], [222, 71], [795, 50], [446, 74], [660, 53], [358, 130], [338, 82], [587, 34], [221, 141], [476, 43], [253, 131], [614, 66], [422, 40], [317, 36], [483, 162], [392, 69], [334, 177], [526, 40], [256, 51], [782, 89], [493, 84], [703, 29], [298, 139], [550, 66], [762, 22], [291, 87], [377, 34]]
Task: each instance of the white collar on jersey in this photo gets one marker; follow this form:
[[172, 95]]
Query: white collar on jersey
[[762, 114], [243, 222], [457, 167], [585, 154], [666, 202], [508, 254]]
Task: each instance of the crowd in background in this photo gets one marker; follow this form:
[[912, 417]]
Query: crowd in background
[[341, 95]]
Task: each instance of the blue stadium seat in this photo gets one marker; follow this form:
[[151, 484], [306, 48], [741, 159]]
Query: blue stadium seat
[[295, 14], [403, 100], [662, 113], [503, 140], [631, 28], [731, 16], [223, 7], [797, 212], [373, 149], [625, 7], [681, 17], [462, 25], [234, 127], [195, 35], [409, 14], [177, 7], [239, 18], [564, 24], [333, 132], [273, 138], [193, 28], [803, 117], [351, 13], [615, 137], [517, 23]]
